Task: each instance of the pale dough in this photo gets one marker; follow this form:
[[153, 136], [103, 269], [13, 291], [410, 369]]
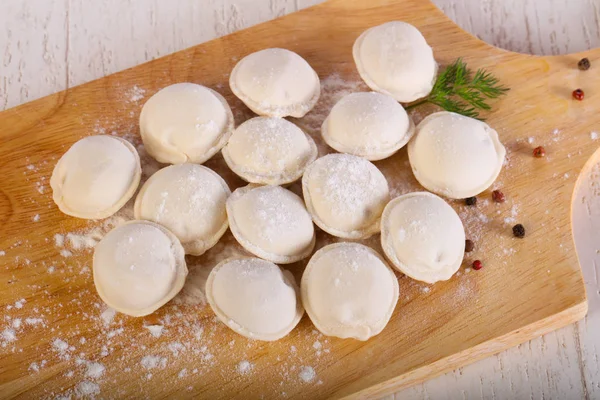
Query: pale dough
[[254, 297], [423, 237], [185, 122], [345, 195], [271, 222], [275, 83], [349, 291], [138, 267], [270, 151], [367, 124], [394, 58], [96, 177], [189, 200], [455, 156]]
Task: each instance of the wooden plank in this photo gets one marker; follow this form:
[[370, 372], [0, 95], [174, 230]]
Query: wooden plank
[[528, 286]]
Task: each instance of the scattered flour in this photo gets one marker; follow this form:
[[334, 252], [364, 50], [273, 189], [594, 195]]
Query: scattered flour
[[151, 362], [108, 315], [2, 253], [36, 218], [307, 374], [136, 94], [94, 370], [87, 388], [155, 330], [244, 367], [594, 135]]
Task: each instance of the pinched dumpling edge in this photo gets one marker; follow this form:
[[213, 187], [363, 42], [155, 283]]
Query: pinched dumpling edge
[[252, 248], [390, 253], [135, 182], [288, 278], [209, 153], [341, 332], [365, 152], [251, 176], [297, 110], [364, 233], [194, 247], [181, 272]]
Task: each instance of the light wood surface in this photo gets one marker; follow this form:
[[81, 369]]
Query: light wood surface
[[528, 286]]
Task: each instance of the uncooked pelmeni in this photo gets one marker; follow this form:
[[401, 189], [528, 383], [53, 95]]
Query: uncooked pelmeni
[[189, 200], [367, 124], [275, 83], [423, 237], [138, 267], [394, 58], [345, 195], [254, 297], [271, 222], [455, 156], [349, 291], [270, 151], [96, 177], [185, 122]]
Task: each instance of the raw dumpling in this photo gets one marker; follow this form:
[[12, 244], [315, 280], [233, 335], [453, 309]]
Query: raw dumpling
[[254, 297], [275, 83], [367, 124], [96, 177], [270, 151], [185, 122], [189, 200], [349, 291], [455, 156], [345, 195], [138, 267], [423, 237], [271, 222], [394, 58]]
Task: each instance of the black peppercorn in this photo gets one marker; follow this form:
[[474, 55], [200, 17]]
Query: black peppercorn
[[584, 64], [469, 246], [471, 201], [519, 230]]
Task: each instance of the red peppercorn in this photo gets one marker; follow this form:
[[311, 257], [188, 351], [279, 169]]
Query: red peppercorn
[[477, 265], [539, 152], [578, 94], [498, 196]]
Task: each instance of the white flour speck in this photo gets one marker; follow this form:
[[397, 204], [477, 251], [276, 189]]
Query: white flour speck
[[594, 135], [65, 253], [59, 240], [107, 316], [2, 253], [136, 94], [307, 374], [87, 388], [155, 330], [20, 303], [244, 367], [36, 218], [94, 370], [9, 335], [151, 362]]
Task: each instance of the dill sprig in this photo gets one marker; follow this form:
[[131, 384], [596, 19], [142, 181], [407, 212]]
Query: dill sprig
[[458, 90]]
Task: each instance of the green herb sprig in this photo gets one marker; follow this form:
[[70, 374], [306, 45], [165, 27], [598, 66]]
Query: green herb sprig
[[458, 90]]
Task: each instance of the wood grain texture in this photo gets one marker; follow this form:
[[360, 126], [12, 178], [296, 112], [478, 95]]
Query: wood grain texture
[[456, 322]]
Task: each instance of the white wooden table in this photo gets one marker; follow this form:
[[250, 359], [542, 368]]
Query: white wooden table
[[49, 45]]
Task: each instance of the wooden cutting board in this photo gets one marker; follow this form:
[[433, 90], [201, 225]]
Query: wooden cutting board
[[56, 337]]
